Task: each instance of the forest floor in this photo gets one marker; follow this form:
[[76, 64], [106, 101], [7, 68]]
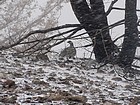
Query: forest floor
[[27, 82]]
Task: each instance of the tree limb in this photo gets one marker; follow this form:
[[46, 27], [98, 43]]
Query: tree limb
[[122, 8], [40, 31], [111, 7]]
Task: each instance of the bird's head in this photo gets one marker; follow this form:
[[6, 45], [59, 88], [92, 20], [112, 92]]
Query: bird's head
[[70, 42]]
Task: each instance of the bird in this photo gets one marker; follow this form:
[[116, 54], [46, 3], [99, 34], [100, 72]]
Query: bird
[[68, 52]]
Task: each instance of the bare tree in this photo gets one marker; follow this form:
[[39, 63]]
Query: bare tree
[[22, 16], [129, 45]]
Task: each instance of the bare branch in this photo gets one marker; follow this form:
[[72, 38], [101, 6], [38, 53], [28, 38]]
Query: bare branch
[[57, 43], [122, 8], [88, 45], [111, 7], [42, 31], [48, 38], [118, 38]]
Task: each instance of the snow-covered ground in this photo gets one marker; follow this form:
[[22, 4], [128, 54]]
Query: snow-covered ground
[[26, 82]]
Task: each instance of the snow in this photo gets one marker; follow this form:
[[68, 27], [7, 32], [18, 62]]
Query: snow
[[60, 83]]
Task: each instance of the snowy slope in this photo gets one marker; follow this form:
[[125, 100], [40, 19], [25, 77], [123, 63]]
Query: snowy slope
[[26, 82]]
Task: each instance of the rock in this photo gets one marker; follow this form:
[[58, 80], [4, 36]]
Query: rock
[[27, 87], [41, 99], [51, 78], [55, 97], [2, 75], [77, 81], [66, 82], [112, 72], [117, 79], [38, 82], [8, 99], [110, 102], [64, 93], [128, 86], [100, 71], [89, 63], [42, 57], [135, 101], [81, 99], [8, 84], [18, 75]]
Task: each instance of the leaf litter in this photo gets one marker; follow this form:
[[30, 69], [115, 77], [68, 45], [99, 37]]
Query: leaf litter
[[26, 82]]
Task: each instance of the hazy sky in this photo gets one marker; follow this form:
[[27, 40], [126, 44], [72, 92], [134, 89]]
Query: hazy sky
[[68, 17]]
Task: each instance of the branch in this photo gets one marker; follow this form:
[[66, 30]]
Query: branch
[[57, 42], [118, 38], [120, 22], [111, 7], [88, 45], [122, 8], [138, 22], [112, 26], [40, 31], [48, 38], [137, 58]]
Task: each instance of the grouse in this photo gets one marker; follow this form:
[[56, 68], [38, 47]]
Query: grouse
[[68, 52]]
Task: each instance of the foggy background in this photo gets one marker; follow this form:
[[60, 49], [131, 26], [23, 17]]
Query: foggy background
[[67, 17]]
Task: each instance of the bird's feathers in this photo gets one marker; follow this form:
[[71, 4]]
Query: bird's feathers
[[68, 52]]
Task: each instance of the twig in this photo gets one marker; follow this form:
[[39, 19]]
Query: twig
[[39, 31], [122, 8], [111, 7], [118, 38]]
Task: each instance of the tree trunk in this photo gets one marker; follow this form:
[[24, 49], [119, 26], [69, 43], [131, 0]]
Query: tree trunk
[[128, 50], [94, 21]]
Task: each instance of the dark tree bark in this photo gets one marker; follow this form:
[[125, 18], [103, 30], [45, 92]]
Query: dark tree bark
[[127, 53], [94, 21]]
